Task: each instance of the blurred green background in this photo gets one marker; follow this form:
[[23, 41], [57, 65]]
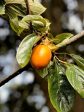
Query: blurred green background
[[28, 92]]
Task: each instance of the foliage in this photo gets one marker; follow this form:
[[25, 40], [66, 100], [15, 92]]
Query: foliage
[[63, 77], [60, 91], [25, 49], [75, 76], [79, 60], [59, 38]]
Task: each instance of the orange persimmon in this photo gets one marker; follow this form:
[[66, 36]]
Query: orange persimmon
[[41, 56]]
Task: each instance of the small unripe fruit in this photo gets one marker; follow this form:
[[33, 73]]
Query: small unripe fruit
[[41, 56]]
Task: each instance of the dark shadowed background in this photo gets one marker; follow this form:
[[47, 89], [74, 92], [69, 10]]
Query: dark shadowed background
[[28, 92]]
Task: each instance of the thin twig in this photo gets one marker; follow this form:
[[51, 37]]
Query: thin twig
[[27, 6], [7, 79], [68, 41], [29, 12]]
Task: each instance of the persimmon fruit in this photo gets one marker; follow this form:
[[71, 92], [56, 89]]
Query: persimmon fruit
[[41, 56]]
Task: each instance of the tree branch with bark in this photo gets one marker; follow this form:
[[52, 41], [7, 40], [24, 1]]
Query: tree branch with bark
[[62, 44]]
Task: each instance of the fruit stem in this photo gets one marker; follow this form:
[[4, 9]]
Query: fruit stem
[[67, 41], [63, 62]]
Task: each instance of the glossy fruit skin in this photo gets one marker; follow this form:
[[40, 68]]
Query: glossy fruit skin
[[41, 56]]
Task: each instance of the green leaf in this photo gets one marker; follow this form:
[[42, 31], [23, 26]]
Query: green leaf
[[59, 38], [60, 91], [31, 18], [22, 2], [44, 72], [38, 23], [79, 60], [75, 76], [35, 7], [14, 22], [15, 9], [25, 49], [2, 7], [46, 28]]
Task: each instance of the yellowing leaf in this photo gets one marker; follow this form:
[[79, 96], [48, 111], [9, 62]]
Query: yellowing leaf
[[36, 8]]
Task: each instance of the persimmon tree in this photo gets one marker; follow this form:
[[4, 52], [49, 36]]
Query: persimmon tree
[[64, 78]]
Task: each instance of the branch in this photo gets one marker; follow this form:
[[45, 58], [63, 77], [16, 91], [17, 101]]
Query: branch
[[18, 72], [63, 43], [22, 69], [68, 41], [27, 6]]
